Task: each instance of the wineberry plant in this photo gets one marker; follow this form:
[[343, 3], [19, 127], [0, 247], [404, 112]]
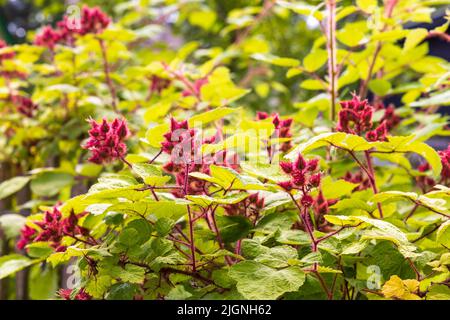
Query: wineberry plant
[[227, 150]]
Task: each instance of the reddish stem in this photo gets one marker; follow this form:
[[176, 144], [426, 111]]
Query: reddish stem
[[107, 71]]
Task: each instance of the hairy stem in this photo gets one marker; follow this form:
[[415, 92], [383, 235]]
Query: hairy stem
[[107, 72], [372, 180], [191, 219]]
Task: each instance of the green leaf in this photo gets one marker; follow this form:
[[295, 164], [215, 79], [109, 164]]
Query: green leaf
[[151, 174], [380, 87], [89, 169], [159, 209], [443, 234], [380, 229], [436, 204], [271, 172], [406, 144], [142, 234], [13, 263], [130, 273], [352, 34], [204, 19], [277, 257], [312, 84], [50, 183], [337, 139], [336, 189], [233, 228], [43, 282], [199, 120], [439, 99], [205, 201], [255, 281], [155, 134], [39, 250], [367, 5], [98, 285], [164, 226], [13, 185], [414, 37], [438, 292], [122, 291], [220, 90], [278, 61], [229, 179], [11, 224], [178, 293], [315, 59], [391, 35], [303, 8]]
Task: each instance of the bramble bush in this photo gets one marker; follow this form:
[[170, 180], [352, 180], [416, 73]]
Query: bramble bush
[[211, 150]]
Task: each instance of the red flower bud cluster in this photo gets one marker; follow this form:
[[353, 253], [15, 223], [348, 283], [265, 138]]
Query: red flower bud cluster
[[390, 119], [183, 145], [48, 37], [355, 117], [445, 159], [195, 90], [321, 205], [5, 53], [52, 229], [303, 177], [425, 182], [250, 205], [81, 294], [282, 129], [321, 208], [106, 140], [358, 178], [24, 105], [92, 20]]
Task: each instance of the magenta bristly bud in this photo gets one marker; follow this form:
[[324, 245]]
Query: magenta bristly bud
[[314, 180], [298, 178], [48, 37], [67, 293], [276, 121], [372, 135], [287, 123], [286, 185], [106, 140], [52, 229], [260, 203], [445, 159], [300, 163], [307, 200], [286, 167], [261, 115], [312, 165]]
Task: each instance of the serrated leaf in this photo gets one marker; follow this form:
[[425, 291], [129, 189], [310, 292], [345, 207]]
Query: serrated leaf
[[12, 185], [220, 90], [315, 59], [50, 183], [338, 139], [414, 37], [11, 224], [205, 201], [278, 61], [256, 281], [13, 263]]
